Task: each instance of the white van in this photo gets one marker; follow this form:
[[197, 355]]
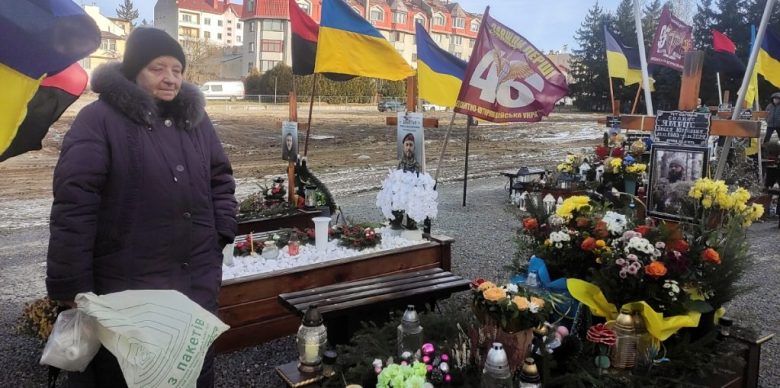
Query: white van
[[223, 90]]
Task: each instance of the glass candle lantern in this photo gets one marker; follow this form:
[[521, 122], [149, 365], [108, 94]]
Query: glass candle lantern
[[410, 333], [497, 373], [311, 340], [310, 196]]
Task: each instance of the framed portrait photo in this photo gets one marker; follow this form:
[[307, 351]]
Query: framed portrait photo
[[410, 146], [674, 170], [290, 141]]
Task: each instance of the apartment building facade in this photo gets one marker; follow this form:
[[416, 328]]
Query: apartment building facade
[[113, 35], [217, 22], [267, 29]]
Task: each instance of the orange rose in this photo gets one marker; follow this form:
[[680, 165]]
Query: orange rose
[[711, 256], [679, 246], [486, 285], [520, 302], [582, 222], [600, 231], [530, 223], [642, 229], [588, 244], [655, 269], [494, 294], [537, 301]]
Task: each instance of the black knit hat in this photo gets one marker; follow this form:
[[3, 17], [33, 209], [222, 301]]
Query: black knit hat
[[144, 45]]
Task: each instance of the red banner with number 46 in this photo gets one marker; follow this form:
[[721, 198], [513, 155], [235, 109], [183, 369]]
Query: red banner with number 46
[[508, 79]]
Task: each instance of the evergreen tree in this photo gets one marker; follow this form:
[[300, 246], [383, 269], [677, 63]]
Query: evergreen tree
[[703, 22], [277, 81], [127, 11], [652, 13], [144, 23], [252, 83], [625, 26], [590, 89]]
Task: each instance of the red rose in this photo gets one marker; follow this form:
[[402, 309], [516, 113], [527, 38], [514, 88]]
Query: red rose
[[600, 231], [588, 244], [617, 152], [530, 223], [679, 246], [642, 229], [582, 222], [476, 282], [602, 152], [710, 255]]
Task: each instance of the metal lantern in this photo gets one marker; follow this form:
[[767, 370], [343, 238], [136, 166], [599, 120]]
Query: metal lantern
[[497, 373], [584, 169], [410, 333], [310, 196], [525, 174], [529, 375], [565, 181], [311, 339], [624, 352], [522, 201], [549, 203]]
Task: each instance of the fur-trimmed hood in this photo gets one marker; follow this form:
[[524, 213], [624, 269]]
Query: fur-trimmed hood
[[187, 109]]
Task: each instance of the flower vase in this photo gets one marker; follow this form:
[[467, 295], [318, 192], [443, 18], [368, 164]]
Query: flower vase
[[629, 185]]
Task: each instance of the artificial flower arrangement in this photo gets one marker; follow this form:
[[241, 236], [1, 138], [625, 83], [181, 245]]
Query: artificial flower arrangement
[[358, 236], [402, 376], [511, 307], [673, 273], [570, 164], [408, 192]]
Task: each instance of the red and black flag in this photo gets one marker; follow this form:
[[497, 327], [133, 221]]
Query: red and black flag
[[724, 55], [55, 94], [305, 33], [39, 41]]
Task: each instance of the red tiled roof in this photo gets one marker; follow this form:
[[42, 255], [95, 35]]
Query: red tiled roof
[[275, 9], [204, 6]]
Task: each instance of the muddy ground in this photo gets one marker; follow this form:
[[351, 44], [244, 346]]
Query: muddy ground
[[350, 149]]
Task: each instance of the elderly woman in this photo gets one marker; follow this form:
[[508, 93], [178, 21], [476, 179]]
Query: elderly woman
[[143, 192]]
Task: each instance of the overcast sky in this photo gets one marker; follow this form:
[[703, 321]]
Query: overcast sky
[[547, 24]]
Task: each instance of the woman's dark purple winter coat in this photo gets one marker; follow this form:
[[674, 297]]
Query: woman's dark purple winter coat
[[143, 196]]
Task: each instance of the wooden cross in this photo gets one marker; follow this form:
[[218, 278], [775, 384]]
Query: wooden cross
[[411, 106], [689, 93]]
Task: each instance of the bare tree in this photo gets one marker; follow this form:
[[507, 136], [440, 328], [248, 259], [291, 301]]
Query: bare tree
[[203, 60], [683, 9]]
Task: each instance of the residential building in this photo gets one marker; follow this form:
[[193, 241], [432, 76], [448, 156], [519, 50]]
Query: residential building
[[267, 29], [113, 35], [216, 22]]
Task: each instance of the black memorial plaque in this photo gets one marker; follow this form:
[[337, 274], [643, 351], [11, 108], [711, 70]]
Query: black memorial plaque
[[684, 128]]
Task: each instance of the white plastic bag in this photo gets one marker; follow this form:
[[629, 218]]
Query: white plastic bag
[[73, 342], [159, 337]]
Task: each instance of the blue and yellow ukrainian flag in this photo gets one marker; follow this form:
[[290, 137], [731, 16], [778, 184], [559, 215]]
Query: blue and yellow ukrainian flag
[[37, 38], [439, 73], [349, 44], [623, 62], [768, 63]]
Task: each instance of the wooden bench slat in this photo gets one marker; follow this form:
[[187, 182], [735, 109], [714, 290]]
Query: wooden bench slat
[[345, 285], [364, 295], [454, 286], [383, 284], [374, 292]]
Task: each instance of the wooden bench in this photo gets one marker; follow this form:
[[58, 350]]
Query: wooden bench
[[356, 299]]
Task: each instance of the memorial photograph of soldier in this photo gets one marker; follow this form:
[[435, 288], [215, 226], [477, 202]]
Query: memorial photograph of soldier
[[410, 151], [290, 143], [674, 170]]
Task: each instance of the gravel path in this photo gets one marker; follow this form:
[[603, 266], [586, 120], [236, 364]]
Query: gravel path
[[483, 233]]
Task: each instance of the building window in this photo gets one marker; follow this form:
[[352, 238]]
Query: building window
[[219, 36], [271, 46], [230, 22], [419, 18], [459, 22], [206, 34], [250, 5], [273, 25], [399, 17], [251, 47], [238, 39], [229, 34], [108, 44], [438, 19], [228, 42], [238, 26], [268, 65], [186, 18], [219, 23], [230, 29], [305, 6], [457, 40], [471, 43], [437, 37], [414, 57], [474, 26], [86, 63], [377, 15], [207, 21], [395, 36], [251, 26], [250, 67]]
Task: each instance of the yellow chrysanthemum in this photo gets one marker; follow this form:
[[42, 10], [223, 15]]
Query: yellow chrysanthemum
[[706, 202]]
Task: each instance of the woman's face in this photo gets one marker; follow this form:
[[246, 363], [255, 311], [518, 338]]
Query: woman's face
[[161, 78], [289, 142]]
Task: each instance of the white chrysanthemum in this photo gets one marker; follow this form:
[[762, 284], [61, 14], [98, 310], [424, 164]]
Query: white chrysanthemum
[[533, 307], [409, 192], [616, 222], [512, 288]]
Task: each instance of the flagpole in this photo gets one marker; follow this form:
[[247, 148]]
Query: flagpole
[[311, 107], [612, 98], [745, 81], [642, 57], [756, 104], [466, 169], [443, 148], [720, 96], [636, 98]]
